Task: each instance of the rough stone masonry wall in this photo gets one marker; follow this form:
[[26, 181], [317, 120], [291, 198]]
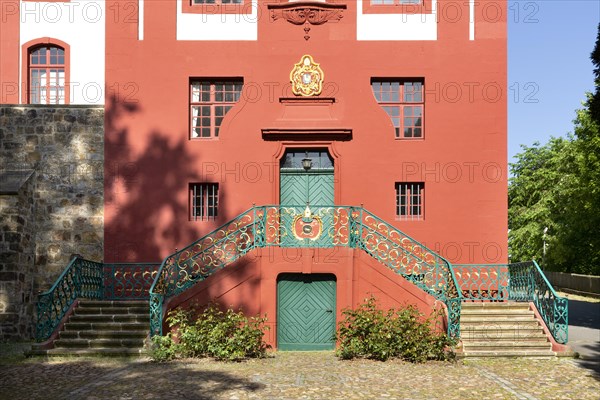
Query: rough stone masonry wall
[[58, 213], [17, 252]]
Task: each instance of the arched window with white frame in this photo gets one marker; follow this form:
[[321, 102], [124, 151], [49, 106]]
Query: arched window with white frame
[[45, 72]]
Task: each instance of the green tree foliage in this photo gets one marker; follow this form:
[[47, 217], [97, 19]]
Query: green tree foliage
[[557, 185]]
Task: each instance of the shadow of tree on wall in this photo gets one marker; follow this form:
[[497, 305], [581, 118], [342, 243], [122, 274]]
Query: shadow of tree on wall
[[147, 191]]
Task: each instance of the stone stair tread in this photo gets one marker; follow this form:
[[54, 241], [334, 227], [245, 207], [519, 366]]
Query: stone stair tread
[[511, 353], [107, 326], [107, 351], [95, 343], [494, 308], [501, 327], [494, 324], [495, 311], [142, 333], [93, 319], [504, 338], [500, 318], [516, 343], [111, 310], [113, 303]]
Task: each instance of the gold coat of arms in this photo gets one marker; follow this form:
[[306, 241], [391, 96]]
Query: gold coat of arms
[[307, 77]]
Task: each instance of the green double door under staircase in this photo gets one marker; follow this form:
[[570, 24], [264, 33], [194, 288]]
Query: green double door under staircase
[[306, 312]]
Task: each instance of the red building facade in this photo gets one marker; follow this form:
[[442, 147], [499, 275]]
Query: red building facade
[[203, 120]]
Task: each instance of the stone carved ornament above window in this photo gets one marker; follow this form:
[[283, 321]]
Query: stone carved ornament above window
[[307, 13]]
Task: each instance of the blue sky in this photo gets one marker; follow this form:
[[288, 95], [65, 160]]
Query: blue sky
[[549, 67]]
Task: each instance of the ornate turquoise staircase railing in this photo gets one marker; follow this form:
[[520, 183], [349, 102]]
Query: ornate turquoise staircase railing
[[524, 282], [91, 280], [324, 226]]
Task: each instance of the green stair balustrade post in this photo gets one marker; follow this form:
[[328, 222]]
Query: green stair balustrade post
[[360, 239], [454, 308], [156, 314]]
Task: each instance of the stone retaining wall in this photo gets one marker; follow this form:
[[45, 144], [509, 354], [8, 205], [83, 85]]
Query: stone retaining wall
[[57, 212]]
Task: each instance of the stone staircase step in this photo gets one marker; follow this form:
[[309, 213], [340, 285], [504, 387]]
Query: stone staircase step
[[517, 323], [494, 312], [141, 310], [507, 336], [502, 329], [497, 305], [516, 320], [92, 318], [107, 352], [102, 328], [507, 353], [506, 345], [105, 334], [113, 303], [98, 343], [107, 326]]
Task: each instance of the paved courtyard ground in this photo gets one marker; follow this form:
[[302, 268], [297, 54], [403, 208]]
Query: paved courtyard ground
[[295, 375]]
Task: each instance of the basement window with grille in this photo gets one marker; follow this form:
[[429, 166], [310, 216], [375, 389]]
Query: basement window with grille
[[204, 201], [409, 200]]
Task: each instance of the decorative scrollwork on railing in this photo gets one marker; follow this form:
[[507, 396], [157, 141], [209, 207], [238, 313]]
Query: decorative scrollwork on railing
[[204, 257], [320, 226], [128, 281], [482, 282]]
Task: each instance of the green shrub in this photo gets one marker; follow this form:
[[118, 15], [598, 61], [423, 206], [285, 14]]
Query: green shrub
[[372, 333], [223, 335]]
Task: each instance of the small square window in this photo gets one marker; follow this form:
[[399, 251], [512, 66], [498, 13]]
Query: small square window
[[409, 200], [204, 201]]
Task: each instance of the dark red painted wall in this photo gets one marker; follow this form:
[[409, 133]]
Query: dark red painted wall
[[150, 159], [251, 283]]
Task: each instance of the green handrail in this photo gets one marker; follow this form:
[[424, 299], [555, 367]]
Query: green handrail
[[81, 278], [263, 226], [91, 280], [522, 282], [528, 283]]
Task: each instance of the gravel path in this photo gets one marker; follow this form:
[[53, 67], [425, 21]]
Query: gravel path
[[295, 375]]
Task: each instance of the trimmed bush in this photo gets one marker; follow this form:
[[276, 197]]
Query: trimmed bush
[[223, 335], [369, 332]]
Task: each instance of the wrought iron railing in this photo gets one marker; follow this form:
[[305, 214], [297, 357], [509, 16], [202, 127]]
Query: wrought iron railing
[[528, 283], [128, 281], [300, 226], [517, 282], [91, 280], [487, 282]]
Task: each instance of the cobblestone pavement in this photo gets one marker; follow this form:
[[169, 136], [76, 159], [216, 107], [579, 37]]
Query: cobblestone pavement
[[295, 375]]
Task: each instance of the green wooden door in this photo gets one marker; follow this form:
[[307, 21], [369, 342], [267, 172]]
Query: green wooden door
[[306, 312], [298, 188]]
